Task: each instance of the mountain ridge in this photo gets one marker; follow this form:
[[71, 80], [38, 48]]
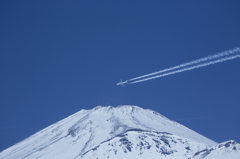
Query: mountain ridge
[[124, 130]]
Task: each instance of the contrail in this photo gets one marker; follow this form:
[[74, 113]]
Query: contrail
[[202, 62], [188, 68], [193, 118], [208, 58]]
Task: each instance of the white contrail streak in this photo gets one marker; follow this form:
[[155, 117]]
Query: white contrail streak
[[189, 68], [208, 58], [193, 118]]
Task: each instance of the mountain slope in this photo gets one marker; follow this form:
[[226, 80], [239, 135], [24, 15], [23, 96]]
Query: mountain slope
[[102, 132], [226, 150], [144, 144]]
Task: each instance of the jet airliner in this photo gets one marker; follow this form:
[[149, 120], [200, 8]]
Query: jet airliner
[[121, 83]]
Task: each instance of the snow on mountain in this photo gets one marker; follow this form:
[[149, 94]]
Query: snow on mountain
[[226, 150], [112, 132], [142, 144]]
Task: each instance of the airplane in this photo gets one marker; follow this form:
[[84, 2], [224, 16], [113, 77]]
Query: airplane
[[121, 83]]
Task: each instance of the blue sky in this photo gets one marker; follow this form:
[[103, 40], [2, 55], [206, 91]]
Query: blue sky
[[58, 57]]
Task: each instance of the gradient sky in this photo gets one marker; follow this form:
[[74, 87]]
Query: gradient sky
[[58, 57]]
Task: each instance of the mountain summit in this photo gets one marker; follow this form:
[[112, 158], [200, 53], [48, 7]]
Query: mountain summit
[[118, 132]]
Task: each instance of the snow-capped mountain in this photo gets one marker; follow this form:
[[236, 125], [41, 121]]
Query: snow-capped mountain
[[118, 132]]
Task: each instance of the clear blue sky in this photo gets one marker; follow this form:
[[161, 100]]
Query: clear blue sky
[[58, 57]]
